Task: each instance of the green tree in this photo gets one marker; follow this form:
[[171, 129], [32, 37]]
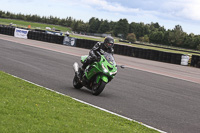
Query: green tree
[[104, 27], [146, 38], [198, 47], [171, 38], [139, 29], [94, 24], [135, 28], [156, 37], [112, 25], [82, 27], [179, 35], [166, 38], [196, 41], [122, 27], [75, 26], [188, 41]]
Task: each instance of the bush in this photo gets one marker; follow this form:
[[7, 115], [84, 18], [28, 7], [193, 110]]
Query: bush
[[131, 37]]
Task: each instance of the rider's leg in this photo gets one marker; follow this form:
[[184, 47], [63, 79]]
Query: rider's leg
[[86, 62]]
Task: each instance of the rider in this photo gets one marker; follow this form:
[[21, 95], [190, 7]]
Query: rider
[[106, 46]]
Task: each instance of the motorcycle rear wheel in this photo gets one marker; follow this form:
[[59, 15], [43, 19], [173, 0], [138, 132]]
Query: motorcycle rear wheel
[[76, 83], [98, 88]]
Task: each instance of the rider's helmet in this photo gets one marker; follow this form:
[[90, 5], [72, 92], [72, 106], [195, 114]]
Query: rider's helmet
[[109, 42]]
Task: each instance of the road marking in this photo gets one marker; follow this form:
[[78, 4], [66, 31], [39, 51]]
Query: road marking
[[105, 110]]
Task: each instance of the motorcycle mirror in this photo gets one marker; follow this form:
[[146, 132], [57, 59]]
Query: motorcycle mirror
[[122, 66]]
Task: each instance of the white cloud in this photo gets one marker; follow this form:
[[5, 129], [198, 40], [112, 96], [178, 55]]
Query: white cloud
[[108, 6], [188, 9], [191, 10]]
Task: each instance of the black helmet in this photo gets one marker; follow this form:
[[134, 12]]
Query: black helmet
[[109, 42]]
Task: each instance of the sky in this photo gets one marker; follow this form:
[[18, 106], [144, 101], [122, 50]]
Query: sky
[[167, 13]]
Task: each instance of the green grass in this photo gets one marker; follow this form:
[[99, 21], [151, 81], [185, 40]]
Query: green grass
[[25, 24], [88, 38], [161, 49], [25, 107]]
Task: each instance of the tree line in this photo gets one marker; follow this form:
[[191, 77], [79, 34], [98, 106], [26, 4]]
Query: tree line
[[153, 32]]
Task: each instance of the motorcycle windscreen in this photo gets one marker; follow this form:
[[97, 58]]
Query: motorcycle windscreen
[[83, 58], [109, 57]]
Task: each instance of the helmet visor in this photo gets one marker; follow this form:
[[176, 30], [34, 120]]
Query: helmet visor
[[109, 45]]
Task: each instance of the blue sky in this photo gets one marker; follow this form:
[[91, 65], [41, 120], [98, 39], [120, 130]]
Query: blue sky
[[167, 13]]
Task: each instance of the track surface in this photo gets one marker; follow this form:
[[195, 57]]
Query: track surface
[[161, 95]]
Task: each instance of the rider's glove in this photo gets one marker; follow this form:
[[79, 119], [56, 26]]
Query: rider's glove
[[93, 55]]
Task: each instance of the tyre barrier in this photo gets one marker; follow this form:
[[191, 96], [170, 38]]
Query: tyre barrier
[[147, 54], [42, 36], [87, 44], [195, 62], [118, 48], [7, 30]]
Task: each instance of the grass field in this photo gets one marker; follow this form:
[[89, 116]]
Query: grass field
[[27, 108], [25, 24]]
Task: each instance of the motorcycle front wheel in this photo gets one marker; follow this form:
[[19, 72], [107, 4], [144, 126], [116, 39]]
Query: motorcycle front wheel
[[98, 88], [76, 83]]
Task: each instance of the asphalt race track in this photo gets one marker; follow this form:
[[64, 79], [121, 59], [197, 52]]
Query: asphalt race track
[[161, 95]]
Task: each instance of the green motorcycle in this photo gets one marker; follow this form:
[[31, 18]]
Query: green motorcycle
[[96, 75]]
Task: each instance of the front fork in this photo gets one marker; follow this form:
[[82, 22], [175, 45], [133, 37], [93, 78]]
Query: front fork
[[102, 77]]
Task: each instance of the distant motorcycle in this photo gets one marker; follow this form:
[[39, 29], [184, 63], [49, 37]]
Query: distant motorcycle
[[96, 75]]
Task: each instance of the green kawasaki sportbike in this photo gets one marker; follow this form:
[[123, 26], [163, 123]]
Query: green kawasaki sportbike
[[96, 75]]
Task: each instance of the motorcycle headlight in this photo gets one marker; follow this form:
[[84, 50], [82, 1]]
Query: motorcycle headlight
[[104, 69], [112, 73]]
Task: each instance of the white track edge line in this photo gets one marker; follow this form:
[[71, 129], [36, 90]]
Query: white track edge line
[[158, 73], [105, 110]]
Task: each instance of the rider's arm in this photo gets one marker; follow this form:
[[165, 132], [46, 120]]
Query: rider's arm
[[95, 49], [112, 51]]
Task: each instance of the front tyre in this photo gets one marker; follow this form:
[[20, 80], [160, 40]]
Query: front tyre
[[98, 88], [76, 83]]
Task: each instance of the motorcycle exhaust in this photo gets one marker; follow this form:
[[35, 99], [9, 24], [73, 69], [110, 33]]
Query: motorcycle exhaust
[[75, 66]]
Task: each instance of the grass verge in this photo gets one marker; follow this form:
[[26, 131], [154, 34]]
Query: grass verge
[[25, 107], [25, 24]]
